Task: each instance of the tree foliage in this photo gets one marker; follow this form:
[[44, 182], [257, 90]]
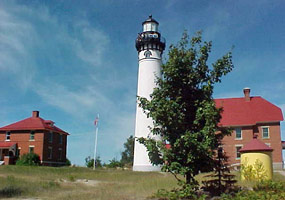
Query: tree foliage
[[183, 109], [29, 159], [89, 162], [128, 153], [220, 180]]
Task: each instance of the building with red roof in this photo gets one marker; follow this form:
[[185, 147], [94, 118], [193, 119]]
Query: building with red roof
[[249, 116], [36, 135]]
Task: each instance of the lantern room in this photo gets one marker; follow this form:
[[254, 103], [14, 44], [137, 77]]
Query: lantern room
[[150, 25]]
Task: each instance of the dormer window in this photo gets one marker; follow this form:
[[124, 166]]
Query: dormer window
[[8, 135], [49, 123]]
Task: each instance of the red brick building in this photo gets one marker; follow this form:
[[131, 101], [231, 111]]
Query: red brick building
[[33, 134], [249, 116]]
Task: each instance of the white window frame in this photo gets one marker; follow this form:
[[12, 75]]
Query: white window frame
[[8, 134], [236, 152], [236, 138], [50, 152], [31, 146], [33, 135], [262, 127]]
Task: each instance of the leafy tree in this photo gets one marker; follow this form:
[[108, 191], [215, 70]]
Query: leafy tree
[[114, 163], [128, 153], [89, 162], [183, 109], [29, 159]]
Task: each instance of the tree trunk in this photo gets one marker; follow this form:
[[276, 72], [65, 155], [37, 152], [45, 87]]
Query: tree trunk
[[188, 178]]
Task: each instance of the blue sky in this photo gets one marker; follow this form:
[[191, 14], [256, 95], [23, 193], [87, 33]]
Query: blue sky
[[73, 59]]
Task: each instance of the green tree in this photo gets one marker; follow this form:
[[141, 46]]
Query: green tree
[[128, 153], [114, 163], [183, 109], [89, 162]]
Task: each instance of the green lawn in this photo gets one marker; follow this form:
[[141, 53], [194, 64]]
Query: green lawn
[[63, 183], [60, 183]]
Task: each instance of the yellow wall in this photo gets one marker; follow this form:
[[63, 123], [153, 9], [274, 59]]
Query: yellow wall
[[252, 158]]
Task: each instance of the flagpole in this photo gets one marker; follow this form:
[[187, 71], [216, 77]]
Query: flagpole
[[95, 146]]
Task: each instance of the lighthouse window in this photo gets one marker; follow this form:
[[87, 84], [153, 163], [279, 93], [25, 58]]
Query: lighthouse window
[[148, 27], [153, 27], [147, 54]]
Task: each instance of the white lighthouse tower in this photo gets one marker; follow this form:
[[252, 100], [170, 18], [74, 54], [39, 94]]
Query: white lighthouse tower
[[150, 46]]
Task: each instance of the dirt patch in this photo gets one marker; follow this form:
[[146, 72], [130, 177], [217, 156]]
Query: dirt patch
[[87, 182]]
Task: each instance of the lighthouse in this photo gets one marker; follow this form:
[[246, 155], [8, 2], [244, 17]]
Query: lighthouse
[[150, 46]]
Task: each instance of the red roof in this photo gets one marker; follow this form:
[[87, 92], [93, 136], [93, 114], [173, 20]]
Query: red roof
[[6, 144], [237, 111], [32, 123], [255, 145]]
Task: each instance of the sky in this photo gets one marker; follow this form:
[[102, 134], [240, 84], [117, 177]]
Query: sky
[[73, 59]]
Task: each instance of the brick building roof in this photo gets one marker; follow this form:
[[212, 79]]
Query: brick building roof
[[6, 144], [255, 145], [33, 123], [247, 111]]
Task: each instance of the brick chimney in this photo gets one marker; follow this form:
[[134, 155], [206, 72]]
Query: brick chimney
[[35, 113], [246, 92]]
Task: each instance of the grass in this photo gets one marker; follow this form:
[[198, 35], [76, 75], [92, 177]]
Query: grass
[[62, 183], [41, 182]]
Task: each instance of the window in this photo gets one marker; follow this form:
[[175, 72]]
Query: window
[[238, 147], [8, 135], [50, 137], [147, 54], [60, 139], [60, 153], [49, 152], [32, 135], [31, 149], [265, 132], [238, 134]]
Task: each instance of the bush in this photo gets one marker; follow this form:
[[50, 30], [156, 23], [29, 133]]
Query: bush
[[264, 190], [89, 162], [114, 163], [29, 159], [67, 162]]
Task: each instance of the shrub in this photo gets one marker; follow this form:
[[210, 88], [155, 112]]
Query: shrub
[[10, 191], [29, 159], [114, 163], [67, 162], [255, 172], [264, 190]]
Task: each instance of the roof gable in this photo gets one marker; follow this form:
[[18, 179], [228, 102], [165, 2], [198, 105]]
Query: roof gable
[[237, 111]]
